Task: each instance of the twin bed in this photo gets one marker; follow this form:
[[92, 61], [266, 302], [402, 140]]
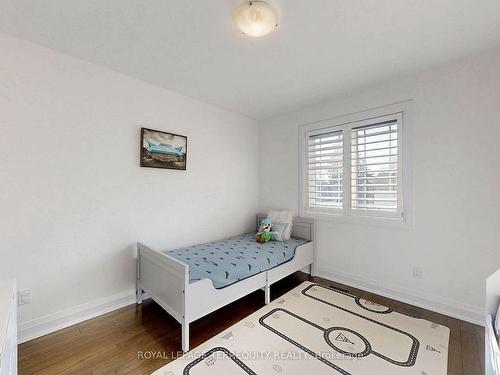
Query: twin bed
[[192, 282]]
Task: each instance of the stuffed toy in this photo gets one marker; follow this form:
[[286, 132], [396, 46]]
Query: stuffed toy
[[264, 235]]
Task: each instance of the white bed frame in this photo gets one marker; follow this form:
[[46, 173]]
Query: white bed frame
[[166, 280]]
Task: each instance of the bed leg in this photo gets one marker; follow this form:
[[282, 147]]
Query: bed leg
[[138, 290], [312, 270], [185, 337], [267, 292], [138, 295]]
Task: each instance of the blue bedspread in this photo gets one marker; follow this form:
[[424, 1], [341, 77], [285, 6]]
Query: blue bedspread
[[230, 260]]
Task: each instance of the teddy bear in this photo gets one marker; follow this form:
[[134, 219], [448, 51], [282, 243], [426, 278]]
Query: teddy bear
[[264, 235]]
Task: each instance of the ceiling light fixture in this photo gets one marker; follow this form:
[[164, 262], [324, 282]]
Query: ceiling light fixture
[[255, 18]]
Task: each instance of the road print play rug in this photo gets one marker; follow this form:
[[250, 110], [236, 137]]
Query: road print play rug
[[314, 329]]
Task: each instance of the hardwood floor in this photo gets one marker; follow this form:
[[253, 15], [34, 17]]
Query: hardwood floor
[[122, 341]]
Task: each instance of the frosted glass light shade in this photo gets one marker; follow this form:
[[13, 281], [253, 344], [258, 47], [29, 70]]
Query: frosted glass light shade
[[255, 18]]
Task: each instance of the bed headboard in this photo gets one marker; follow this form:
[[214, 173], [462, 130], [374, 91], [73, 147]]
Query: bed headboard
[[302, 227]]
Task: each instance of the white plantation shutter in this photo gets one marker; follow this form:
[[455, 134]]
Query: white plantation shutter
[[325, 170], [375, 166], [355, 168]]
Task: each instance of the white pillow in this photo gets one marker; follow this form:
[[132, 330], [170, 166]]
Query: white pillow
[[282, 217], [277, 230]]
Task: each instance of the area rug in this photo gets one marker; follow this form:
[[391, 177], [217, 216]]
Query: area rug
[[314, 329]]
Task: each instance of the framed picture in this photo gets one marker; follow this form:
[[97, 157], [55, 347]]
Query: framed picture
[[163, 150]]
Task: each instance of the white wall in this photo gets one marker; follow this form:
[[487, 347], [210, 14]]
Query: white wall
[[73, 199], [455, 234]]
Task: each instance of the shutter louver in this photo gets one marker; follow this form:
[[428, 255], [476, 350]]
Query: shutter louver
[[375, 167], [325, 170]]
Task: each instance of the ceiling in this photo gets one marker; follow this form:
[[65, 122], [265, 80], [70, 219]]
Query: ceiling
[[321, 48]]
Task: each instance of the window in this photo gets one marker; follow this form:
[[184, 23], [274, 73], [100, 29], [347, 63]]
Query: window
[[354, 169]]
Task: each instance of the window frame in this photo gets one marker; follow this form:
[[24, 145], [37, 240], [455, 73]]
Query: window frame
[[347, 123]]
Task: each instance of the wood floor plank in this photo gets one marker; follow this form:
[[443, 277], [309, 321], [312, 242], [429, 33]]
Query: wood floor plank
[[471, 361], [138, 339], [455, 357], [480, 347]]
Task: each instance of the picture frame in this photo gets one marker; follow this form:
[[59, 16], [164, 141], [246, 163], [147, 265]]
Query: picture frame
[[161, 149]]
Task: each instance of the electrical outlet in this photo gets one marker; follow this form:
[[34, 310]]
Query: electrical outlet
[[417, 273], [23, 296]]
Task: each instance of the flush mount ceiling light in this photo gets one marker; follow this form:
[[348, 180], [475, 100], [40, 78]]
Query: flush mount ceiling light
[[255, 18]]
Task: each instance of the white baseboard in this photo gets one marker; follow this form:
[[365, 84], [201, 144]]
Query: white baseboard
[[455, 309], [50, 323]]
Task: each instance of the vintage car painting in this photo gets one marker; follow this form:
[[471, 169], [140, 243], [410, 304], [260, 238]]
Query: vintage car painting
[[163, 150]]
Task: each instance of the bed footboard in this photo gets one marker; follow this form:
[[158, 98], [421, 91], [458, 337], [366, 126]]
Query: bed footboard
[[166, 280]]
